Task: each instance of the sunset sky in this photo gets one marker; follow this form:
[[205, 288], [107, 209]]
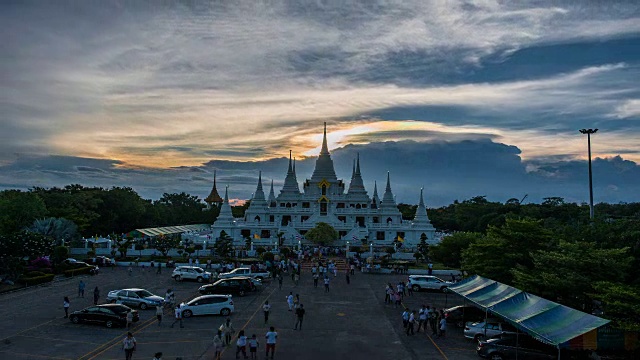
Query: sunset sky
[[463, 98]]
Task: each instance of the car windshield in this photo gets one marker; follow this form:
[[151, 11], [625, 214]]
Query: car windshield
[[198, 270], [143, 293]]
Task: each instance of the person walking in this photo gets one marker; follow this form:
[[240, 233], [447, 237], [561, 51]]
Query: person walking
[[290, 301], [96, 295], [353, 269], [253, 347], [326, 283], [169, 296], [129, 346], [433, 322], [66, 304], [280, 281], [411, 322], [296, 278], [157, 356], [315, 280], [241, 345], [272, 337], [129, 319], [443, 325], [387, 294], [178, 317], [159, 314], [422, 319], [348, 278], [159, 271], [296, 301], [266, 308], [227, 330], [397, 299], [218, 344], [81, 287], [409, 289], [405, 318], [299, 317]]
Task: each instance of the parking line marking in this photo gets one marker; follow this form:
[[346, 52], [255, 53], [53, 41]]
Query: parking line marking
[[111, 343], [25, 330], [248, 321], [437, 347], [29, 356], [63, 340]]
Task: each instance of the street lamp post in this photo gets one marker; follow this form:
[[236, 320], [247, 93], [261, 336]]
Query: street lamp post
[[589, 132], [347, 249]]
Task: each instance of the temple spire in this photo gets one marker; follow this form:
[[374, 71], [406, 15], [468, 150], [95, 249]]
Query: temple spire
[[258, 201], [325, 149], [376, 199], [272, 196], [290, 182], [356, 187], [226, 216], [387, 198], [214, 197], [421, 217], [324, 165]]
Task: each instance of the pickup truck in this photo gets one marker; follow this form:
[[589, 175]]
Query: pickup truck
[[243, 271]]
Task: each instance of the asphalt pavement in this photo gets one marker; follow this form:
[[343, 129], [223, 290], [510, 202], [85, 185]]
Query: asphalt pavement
[[351, 322]]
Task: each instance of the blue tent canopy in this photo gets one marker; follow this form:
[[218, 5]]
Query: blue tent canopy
[[545, 320]]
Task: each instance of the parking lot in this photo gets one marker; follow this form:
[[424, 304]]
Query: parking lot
[[349, 322]]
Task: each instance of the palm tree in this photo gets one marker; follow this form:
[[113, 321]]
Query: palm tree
[[59, 229]]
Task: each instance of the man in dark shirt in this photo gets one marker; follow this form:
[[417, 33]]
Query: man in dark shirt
[[299, 317]]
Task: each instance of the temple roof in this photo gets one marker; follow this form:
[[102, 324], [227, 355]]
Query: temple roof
[[213, 197], [324, 165]]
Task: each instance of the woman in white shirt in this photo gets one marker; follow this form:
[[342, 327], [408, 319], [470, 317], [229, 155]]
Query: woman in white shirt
[[129, 345], [218, 344], [241, 345]]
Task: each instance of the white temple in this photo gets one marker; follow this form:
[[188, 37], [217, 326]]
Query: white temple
[[358, 218]]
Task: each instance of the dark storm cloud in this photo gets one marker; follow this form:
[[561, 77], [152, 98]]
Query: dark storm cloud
[[447, 170]]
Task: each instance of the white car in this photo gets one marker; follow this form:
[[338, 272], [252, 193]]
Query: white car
[[479, 331], [190, 273], [208, 305], [420, 282]]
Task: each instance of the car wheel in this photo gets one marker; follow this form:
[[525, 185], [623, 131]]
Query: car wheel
[[444, 289], [109, 324], [200, 279], [187, 314], [178, 277], [241, 293], [75, 319], [143, 306], [415, 288], [225, 312], [479, 337], [496, 356]]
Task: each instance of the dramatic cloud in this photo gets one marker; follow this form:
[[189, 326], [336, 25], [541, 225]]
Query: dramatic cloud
[[151, 86], [447, 171]]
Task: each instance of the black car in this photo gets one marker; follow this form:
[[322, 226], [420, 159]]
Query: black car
[[108, 314], [101, 261], [237, 286], [74, 264], [511, 347], [460, 315]]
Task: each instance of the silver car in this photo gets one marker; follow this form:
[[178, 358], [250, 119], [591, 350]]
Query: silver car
[[479, 331], [135, 298], [423, 282]]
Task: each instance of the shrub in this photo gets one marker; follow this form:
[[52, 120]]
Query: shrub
[[80, 271], [41, 263], [31, 274], [267, 256], [35, 280]]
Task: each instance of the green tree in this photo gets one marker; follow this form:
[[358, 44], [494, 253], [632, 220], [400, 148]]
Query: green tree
[[505, 247], [18, 209], [449, 250], [423, 247], [166, 243], [59, 254], [620, 302], [568, 272], [322, 234], [224, 245]]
